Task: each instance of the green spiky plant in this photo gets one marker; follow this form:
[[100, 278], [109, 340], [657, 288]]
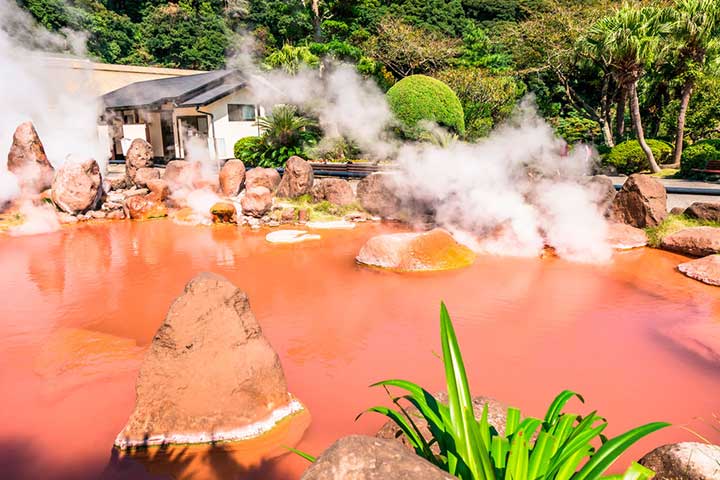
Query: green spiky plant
[[562, 446]]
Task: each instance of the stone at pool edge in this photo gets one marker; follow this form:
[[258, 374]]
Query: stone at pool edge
[[641, 202], [360, 457], [684, 461], [209, 369], [433, 250], [693, 241], [622, 236], [705, 269]]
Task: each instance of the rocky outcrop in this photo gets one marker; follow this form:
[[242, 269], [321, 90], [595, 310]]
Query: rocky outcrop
[[334, 190], [159, 187], [693, 241], [603, 191], [256, 202], [262, 177], [376, 194], [641, 202], [144, 175], [706, 269], [209, 375], [77, 187], [358, 457], [145, 207], [297, 180], [28, 161], [232, 177], [223, 212], [709, 211], [622, 236], [139, 155], [416, 252], [684, 461], [497, 417], [177, 173]]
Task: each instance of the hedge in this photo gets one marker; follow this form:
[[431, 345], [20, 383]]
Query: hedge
[[419, 97], [245, 150], [697, 156], [628, 157]]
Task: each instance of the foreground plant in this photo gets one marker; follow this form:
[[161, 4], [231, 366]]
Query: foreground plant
[[562, 446]]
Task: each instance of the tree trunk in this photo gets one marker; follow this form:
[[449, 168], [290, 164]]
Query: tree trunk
[[605, 122], [680, 135], [315, 6], [637, 125], [620, 119]]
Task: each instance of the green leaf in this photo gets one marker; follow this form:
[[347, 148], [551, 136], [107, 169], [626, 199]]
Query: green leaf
[[613, 448], [304, 455], [558, 404], [414, 437], [513, 419], [517, 464], [541, 454], [634, 472]]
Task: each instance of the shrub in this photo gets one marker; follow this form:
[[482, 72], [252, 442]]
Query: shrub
[[697, 156], [629, 158], [560, 446], [418, 97], [245, 148]]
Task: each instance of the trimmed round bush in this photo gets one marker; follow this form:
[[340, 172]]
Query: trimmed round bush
[[628, 157], [697, 156], [246, 150], [419, 97]]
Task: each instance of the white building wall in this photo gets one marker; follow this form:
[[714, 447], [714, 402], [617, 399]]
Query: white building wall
[[227, 132]]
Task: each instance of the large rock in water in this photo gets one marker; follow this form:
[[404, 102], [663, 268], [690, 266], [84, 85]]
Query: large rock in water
[[694, 241], [232, 177], [358, 457], [177, 173], [210, 374], [497, 417], [709, 211], [262, 177], [706, 269], [297, 180], [622, 236], [334, 190], [139, 155], [77, 187], [684, 461], [28, 161], [145, 207], [256, 202], [641, 202], [416, 252], [376, 194]]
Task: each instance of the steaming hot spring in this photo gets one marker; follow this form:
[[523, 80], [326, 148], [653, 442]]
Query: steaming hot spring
[[192, 320]]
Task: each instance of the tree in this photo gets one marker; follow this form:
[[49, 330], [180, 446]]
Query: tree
[[291, 59], [408, 50], [626, 42], [695, 25]]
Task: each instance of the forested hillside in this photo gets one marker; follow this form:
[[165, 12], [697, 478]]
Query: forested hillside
[[588, 62]]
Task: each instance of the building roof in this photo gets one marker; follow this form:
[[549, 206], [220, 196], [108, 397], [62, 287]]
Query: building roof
[[189, 90]]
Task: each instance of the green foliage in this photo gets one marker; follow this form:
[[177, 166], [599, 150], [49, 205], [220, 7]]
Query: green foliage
[[486, 99], [446, 16], [418, 97], [560, 446], [288, 21], [629, 158], [673, 224], [292, 59], [697, 156], [575, 129], [245, 149]]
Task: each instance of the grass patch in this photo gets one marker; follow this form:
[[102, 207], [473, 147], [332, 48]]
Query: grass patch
[[321, 211], [9, 220], [667, 173], [672, 224]]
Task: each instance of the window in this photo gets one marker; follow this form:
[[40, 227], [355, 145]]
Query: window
[[241, 113]]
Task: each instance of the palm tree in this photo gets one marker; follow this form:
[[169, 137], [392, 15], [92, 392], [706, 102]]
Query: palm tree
[[291, 59], [285, 128], [695, 25], [626, 43]]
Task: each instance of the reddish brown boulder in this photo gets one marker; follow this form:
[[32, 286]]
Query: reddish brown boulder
[[77, 187], [641, 202], [210, 374], [145, 207], [693, 241], [223, 212], [28, 161], [335, 190], [376, 194], [497, 417], [262, 177], [623, 236], [359, 457], [684, 461], [706, 269], [416, 252], [139, 155], [144, 175], [256, 202], [177, 173], [297, 180], [709, 211], [232, 177], [159, 187]]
